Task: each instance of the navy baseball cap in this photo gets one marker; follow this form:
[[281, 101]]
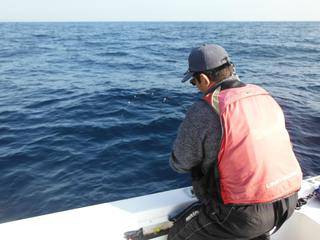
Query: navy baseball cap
[[208, 57]]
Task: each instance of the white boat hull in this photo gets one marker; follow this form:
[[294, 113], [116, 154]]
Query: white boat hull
[[111, 220]]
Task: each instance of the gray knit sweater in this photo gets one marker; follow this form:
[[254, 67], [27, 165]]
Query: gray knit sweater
[[198, 139]]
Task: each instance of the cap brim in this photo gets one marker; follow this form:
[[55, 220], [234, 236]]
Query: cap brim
[[187, 76]]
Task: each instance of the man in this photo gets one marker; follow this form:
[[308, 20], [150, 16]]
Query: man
[[235, 145]]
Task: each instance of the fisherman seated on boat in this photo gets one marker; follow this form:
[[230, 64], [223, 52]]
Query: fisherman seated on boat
[[235, 144]]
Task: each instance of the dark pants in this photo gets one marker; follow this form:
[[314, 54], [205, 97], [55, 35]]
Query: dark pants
[[209, 222]]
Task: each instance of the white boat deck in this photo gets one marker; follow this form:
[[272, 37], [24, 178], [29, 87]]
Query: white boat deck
[[111, 220]]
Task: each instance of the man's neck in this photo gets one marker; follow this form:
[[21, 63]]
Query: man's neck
[[214, 85]]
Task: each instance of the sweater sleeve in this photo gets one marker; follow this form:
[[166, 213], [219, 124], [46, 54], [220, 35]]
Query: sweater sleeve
[[198, 139], [187, 147]]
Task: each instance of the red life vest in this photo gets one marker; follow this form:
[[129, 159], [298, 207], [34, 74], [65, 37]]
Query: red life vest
[[256, 163]]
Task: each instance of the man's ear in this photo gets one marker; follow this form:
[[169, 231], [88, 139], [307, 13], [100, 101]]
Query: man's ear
[[204, 79]]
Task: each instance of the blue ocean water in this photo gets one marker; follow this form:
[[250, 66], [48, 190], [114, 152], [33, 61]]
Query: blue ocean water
[[89, 111]]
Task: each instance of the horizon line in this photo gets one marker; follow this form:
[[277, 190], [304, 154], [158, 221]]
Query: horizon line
[[145, 21]]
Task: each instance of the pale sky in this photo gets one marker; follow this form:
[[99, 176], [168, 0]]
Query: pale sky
[[159, 10]]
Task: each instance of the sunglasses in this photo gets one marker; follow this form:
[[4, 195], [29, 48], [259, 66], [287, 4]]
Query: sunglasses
[[194, 80]]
